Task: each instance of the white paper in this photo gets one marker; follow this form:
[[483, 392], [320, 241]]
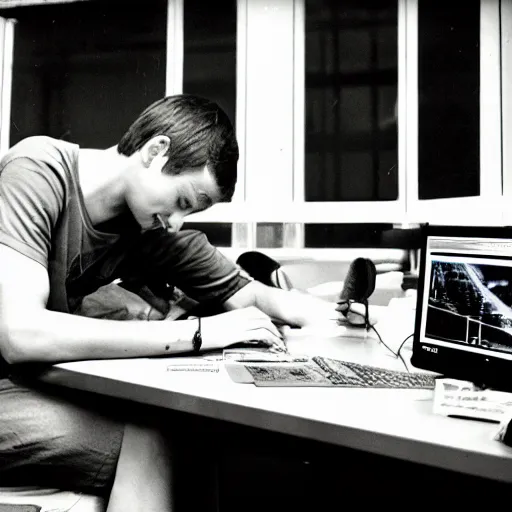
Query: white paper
[[462, 398]]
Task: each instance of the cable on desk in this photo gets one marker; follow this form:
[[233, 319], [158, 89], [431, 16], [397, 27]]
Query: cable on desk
[[400, 348], [396, 354]]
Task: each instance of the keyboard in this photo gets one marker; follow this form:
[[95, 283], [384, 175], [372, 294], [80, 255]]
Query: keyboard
[[344, 373]]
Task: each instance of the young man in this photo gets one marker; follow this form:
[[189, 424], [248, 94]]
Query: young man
[[75, 219]]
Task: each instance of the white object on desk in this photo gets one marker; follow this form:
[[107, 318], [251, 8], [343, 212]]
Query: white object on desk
[[454, 397], [193, 365]]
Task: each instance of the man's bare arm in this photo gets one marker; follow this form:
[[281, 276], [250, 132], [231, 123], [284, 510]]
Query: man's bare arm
[[290, 307], [295, 308], [31, 333]]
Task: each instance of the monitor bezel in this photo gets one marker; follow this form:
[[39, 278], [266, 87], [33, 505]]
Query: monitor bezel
[[484, 370]]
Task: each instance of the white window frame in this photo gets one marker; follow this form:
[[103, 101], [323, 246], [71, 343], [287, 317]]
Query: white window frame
[[6, 61], [271, 85], [506, 96], [270, 122], [174, 49], [486, 208]]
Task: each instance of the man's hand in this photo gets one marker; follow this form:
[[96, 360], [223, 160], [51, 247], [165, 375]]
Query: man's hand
[[241, 325], [355, 314]]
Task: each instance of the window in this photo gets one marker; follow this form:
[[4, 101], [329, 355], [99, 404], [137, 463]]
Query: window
[[209, 61], [351, 140], [454, 112], [354, 112], [303, 162], [506, 91], [83, 71], [209, 69], [449, 99]]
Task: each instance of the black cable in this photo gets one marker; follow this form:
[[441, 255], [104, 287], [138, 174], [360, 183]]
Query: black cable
[[396, 354], [403, 342]]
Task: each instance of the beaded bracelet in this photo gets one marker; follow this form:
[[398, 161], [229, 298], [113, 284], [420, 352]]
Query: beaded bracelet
[[197, 340]]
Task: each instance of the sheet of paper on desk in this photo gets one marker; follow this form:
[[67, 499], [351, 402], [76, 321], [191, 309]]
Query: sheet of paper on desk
[[462, 398], [261, 356], [192, 364]]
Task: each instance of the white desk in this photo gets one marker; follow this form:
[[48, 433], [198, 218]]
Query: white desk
[[395, 423]]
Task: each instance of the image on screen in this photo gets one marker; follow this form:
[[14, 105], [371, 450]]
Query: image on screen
[[470, 304]]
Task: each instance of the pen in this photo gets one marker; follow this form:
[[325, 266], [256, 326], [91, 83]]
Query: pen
[[162, 222]]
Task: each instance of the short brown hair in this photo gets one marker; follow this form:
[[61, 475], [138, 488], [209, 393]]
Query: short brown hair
[[200, 133]]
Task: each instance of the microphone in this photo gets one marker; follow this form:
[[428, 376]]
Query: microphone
[[358, 287]]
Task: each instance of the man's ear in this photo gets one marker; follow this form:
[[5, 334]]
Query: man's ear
[[155, 147]]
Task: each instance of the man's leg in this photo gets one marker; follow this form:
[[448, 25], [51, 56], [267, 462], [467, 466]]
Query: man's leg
[[143, 480], [75, 441]]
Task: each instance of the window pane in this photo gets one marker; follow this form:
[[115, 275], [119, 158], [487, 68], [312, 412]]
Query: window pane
[[269, 234], [218, 234], [351, 100], [83, 71], [332, 236], [210, 52], [449, 98]]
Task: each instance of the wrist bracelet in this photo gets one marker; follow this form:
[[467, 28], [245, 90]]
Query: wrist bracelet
[[197, 340]]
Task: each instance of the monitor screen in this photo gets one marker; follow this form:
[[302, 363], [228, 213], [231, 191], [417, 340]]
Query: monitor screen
[[464, 308]]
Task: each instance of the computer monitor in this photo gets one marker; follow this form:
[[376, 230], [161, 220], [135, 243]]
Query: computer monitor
[[464, 306]]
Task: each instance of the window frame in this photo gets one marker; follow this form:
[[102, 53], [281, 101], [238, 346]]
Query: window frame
[[6, 56], [487, 207], [289, 205], [285, 49], [506, 97], [175, 48]]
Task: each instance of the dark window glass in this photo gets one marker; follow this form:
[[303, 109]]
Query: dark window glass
[[83, 71], [369, 236], [210, 52], [449, 98], [334, 236], [209, 70], [218, 234], [351, 100]]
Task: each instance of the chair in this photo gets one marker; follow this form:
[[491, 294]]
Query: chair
[[48, 500]]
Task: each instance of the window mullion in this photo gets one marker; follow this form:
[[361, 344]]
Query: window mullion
[[175, 48], [6, 56]]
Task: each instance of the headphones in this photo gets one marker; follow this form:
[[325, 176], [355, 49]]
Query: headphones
[[264, 269]]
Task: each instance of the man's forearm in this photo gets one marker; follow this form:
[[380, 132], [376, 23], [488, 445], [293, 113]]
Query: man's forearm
[[293, 307], [48, 336]]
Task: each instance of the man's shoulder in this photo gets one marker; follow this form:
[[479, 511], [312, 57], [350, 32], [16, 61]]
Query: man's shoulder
[[41, 148]]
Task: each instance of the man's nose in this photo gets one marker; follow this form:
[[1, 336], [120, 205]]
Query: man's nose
[[175, 221]]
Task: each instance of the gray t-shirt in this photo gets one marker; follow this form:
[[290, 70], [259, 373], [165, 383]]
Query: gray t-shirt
[[43, 216]]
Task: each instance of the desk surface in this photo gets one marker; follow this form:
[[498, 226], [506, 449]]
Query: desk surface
[[396, 423]]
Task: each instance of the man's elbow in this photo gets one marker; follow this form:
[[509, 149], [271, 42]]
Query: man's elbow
[[11, 349], [17, 343]]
